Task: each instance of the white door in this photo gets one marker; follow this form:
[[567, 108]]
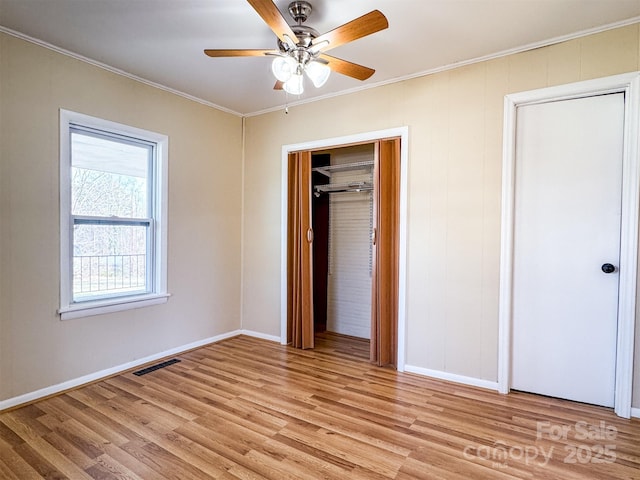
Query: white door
[[568, 178]]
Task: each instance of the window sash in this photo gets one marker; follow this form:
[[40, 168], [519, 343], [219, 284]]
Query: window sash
[[153, 154], [149, 285]]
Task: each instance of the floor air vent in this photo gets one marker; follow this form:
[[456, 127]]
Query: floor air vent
[[155, 367]]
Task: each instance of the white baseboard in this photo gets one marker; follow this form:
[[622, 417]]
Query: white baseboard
[[92, 377], [474, 382], [263, 336], [452, 377]]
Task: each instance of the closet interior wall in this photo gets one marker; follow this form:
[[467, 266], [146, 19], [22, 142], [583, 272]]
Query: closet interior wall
[[349, 250]]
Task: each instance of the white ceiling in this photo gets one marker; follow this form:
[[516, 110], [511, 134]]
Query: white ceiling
[[162, 41]]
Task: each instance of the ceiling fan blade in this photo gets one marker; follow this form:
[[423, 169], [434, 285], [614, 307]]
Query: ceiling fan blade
[[362, 26], [274, 19], [349, 69], [238, 53], [279, 85]]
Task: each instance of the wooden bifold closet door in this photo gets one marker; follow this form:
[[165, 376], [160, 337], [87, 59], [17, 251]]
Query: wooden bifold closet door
[[299, 253], [385, 248], [384, 274]]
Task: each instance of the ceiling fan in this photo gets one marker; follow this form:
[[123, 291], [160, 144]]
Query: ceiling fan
[[301, 48]]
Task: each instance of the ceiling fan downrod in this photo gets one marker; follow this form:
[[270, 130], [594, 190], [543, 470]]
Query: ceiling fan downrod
[[299, 11]]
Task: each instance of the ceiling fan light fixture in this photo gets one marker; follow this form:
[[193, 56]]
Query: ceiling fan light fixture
[[283, 68], [294, 85], [318, 73]]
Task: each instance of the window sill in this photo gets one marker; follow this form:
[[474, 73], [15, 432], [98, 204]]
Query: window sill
[[88, 309]]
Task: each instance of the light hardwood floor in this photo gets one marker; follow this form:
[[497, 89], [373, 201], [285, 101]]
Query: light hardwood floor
[[248, 408]]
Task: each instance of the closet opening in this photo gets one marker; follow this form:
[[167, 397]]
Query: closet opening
[[343, 247], [342, 223]]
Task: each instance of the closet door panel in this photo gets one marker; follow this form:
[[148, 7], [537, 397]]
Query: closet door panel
[[300, 253], [384, 312]]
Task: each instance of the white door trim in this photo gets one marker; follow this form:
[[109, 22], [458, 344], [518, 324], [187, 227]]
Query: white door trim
[[403, 133], [630, 85]]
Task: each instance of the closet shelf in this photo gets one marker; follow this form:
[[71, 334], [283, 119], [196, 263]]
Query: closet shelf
[[343, 187], [343, 168]]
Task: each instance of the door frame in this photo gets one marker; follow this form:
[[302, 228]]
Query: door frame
[[629, 84], [403, 133]]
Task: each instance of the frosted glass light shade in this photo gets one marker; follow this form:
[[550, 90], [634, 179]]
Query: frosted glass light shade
[[283, 68], [294, 85], [318, 73]]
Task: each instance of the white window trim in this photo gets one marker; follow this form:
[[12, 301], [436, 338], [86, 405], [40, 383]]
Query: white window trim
[[68, 309]]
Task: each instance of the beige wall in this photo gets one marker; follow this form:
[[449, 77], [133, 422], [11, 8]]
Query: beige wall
[[455, 155], [36, 348]]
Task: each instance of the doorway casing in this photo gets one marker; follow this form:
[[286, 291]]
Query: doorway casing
[[629, 84], [403, 133]]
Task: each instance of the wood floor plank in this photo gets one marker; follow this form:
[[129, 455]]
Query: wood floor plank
[[8, 436], [120, 459], [107, 467], [355, 452], [232, 450], [7, 473], [106, 428], [165, 399], [69, 451], [245, 408], [39, 461], [14, 464], [245, 414], [162, 461], [41, 455]]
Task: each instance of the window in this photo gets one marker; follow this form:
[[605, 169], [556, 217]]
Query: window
[[113, 216]]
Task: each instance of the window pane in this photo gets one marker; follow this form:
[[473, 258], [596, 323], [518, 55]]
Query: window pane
[[109, 259], [109, 177]]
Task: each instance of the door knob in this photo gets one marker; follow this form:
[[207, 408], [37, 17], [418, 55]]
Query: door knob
[[608, 268]]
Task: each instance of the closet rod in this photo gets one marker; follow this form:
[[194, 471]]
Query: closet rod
[[343, 188]]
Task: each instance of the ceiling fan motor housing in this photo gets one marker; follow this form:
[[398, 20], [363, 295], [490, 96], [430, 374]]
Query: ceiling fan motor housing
[[304, 34]]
